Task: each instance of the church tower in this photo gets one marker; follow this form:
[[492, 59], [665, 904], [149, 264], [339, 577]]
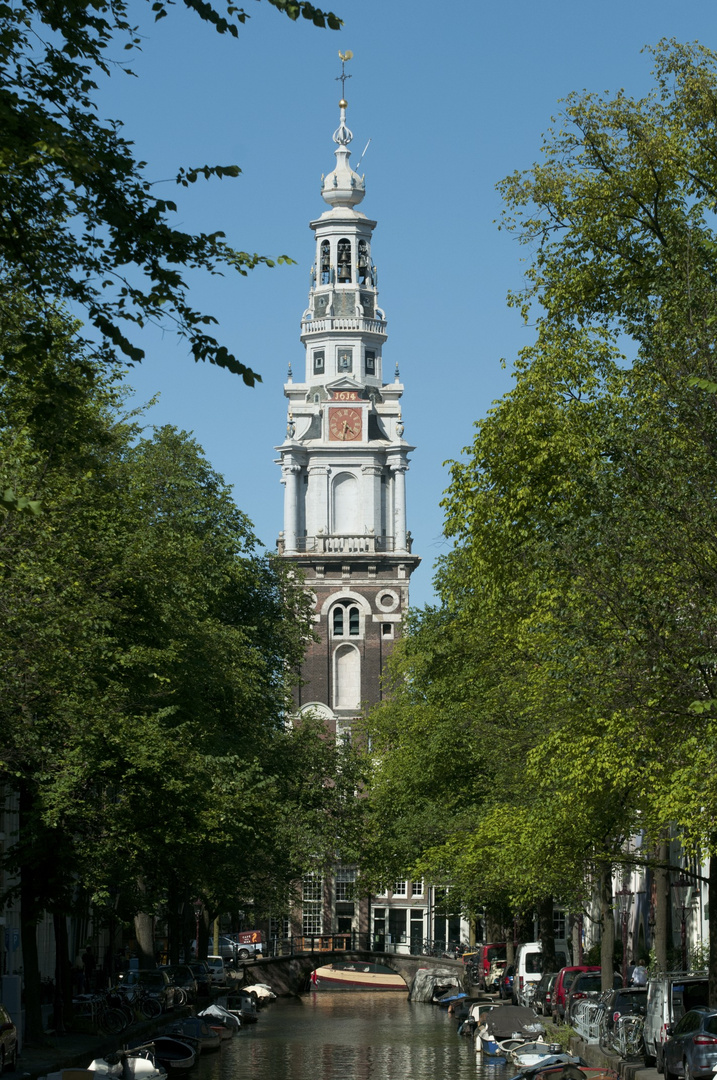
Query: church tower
[[344, 462]]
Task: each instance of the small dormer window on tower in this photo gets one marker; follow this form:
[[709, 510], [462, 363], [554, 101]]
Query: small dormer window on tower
[[343, 261], [370, 362], [364, 264], [325, 263]]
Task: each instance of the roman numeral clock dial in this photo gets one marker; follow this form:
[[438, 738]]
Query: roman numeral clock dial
[[345, 424]]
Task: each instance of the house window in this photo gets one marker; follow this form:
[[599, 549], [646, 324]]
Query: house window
[[387, 629], [325, 263], [343, 260], [345, 882], [312, 904], [319, 362], [370, 363], [400, 888], [354, 622], [417, 888]]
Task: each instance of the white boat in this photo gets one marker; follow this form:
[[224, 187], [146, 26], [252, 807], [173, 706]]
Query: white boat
[[127, 1064], [358, 976]]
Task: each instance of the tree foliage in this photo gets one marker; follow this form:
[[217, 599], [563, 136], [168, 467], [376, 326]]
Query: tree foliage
[[80, 222], [147, 647], [577, 609]]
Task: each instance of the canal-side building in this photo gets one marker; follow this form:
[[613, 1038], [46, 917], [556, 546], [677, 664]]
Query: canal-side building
[[343, 466]]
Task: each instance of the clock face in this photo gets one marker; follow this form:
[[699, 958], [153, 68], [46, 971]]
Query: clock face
[[345, 424]]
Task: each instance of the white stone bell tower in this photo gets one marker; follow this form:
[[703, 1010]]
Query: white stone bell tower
[[344, 461]]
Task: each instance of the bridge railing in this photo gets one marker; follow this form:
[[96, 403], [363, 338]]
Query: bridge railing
[[363, 942]]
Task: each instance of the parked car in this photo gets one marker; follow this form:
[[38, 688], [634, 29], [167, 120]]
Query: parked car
[[529, 965], [8, 1041], [201, 973], [669, 997], [183, 977], [621, 1002], [543, 997], [156, 983], [563, 983], [250, 944], [217, 970], [586, 984], [691, 1048], [482, 956], [243, 946], [505, 988]]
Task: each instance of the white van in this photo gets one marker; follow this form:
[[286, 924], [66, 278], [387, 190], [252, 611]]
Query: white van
[[669, 997], [529, 966]]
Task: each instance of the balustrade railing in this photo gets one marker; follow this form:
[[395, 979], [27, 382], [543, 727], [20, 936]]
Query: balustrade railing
[[340, 545], [363, 942], [369, 326]]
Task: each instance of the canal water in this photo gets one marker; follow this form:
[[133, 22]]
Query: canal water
[[348, 1035]]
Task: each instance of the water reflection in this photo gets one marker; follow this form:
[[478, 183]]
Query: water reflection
[[347, 1035]]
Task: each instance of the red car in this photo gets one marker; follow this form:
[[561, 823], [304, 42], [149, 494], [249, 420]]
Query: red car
[[564, 981]]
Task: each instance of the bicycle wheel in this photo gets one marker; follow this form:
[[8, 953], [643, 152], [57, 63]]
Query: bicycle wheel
[[149, 1008], [180, 996], [112, 1022]]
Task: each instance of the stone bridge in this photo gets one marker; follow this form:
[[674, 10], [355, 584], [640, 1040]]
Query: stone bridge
[[289, 975]]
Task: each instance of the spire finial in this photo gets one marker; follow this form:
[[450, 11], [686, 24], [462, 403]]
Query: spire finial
[[396, 377], [344, 57]]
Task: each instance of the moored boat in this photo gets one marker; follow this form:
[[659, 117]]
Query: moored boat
[[504, 1029], [193, 1027], [359, 976], [174, 1054]]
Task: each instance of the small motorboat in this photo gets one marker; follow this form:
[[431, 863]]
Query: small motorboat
[[139, 1064], [194, 1028], [174, 1054], [241, 1005], [219, 1019], [264, 993], [528, 1054], [505, 1028], [559, 1067], [451, 998]]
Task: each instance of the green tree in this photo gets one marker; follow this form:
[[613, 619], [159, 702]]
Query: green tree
[[147, 649], [79, 220]]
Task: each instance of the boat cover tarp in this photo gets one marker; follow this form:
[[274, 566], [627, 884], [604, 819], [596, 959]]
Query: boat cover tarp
[[501, 1023]]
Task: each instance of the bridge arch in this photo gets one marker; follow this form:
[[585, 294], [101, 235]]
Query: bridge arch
[[288, 975]]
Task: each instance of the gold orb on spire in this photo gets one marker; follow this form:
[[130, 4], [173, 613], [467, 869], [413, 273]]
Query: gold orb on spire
[[343, 104]]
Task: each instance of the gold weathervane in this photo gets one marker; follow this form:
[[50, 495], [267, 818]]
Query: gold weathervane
[[344, 57]]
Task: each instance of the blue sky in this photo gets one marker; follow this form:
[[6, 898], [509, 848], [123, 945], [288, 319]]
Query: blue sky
[[453, 96]]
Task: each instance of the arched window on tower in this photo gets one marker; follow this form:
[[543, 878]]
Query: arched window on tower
[[346, 619], [343, 260], [338, 621], [364, 264], [325, 263]]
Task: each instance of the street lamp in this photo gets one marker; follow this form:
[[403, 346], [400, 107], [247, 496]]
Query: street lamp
[[681, 887], [624, 901]]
